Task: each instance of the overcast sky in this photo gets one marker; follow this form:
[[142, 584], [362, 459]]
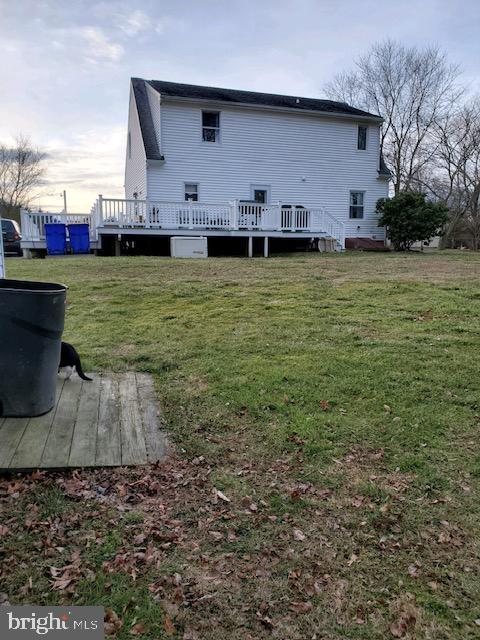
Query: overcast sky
[[65, 64]]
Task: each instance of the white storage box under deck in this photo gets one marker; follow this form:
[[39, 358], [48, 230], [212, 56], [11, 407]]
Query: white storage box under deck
[[187, 247]]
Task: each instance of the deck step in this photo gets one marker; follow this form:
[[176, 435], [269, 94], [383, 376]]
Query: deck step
[[328, 245]]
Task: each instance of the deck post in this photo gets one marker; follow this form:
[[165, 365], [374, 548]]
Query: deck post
[[190, 215], [250, 247], [234, 219], [265, 247], [118, 245], [100, 211], [147, 214], [279, 217]]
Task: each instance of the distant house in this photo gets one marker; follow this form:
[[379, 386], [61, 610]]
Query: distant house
[[224, 163]]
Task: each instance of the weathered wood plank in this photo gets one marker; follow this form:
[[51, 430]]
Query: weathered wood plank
[[134, 449], [57, 446], [31, 446], [108, 449], [84, 440], [112, 421], [151, 417], [10, 435]]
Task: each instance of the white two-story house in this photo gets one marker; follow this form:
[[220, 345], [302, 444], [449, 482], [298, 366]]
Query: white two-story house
[[222, 162]]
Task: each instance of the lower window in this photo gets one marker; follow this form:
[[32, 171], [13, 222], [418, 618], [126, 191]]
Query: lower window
[[260, 193], [191, 191], [356, 204]]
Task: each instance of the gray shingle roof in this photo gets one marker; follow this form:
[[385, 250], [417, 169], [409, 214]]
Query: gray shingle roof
[[146, 122], [178, 90], [384, 170]]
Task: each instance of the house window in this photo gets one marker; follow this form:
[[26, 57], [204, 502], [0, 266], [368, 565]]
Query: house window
[[129, 145], [260, 193], [191, 192], [356, 204], [210, 126], [362, 138]]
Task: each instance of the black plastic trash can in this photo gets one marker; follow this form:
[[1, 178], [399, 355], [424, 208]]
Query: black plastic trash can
[[31, 325]]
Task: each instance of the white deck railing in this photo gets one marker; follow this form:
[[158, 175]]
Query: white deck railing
[[232, 216], [33, 223]]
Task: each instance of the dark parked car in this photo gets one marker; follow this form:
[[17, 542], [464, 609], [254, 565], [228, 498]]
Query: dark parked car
[[11, 236]]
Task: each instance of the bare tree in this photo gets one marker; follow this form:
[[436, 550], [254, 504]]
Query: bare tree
[[455, 178], [21, 172], [412, 90]]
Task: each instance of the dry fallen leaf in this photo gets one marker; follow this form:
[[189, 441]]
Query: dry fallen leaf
[[299, 535], [265, 620], [406, 621], [414, 570], [216, 535], [137, 629], [169, 626], [353, 558], [112, 623], [222, 496], [301, 607]]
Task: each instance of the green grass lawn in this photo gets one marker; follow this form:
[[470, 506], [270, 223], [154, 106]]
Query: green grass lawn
[[333, 399]]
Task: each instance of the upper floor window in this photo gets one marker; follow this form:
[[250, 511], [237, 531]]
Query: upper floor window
[[129, 144], [356, 204], [362, 138], [210, 126], [191, 191]]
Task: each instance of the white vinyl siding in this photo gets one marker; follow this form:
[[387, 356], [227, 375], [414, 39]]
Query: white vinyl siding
[[304, 159], [135, 165]]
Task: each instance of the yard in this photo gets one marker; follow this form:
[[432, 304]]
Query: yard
[[324, 477]]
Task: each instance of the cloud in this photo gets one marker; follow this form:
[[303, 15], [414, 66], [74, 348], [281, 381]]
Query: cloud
[[168, 23], [89, 163], [99, 46], [133, 23]]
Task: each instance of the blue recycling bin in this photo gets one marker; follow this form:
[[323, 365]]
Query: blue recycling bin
[[56, 238], [79, 238]]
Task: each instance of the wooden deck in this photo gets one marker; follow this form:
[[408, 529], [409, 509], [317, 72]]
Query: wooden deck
[[112, 421]]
